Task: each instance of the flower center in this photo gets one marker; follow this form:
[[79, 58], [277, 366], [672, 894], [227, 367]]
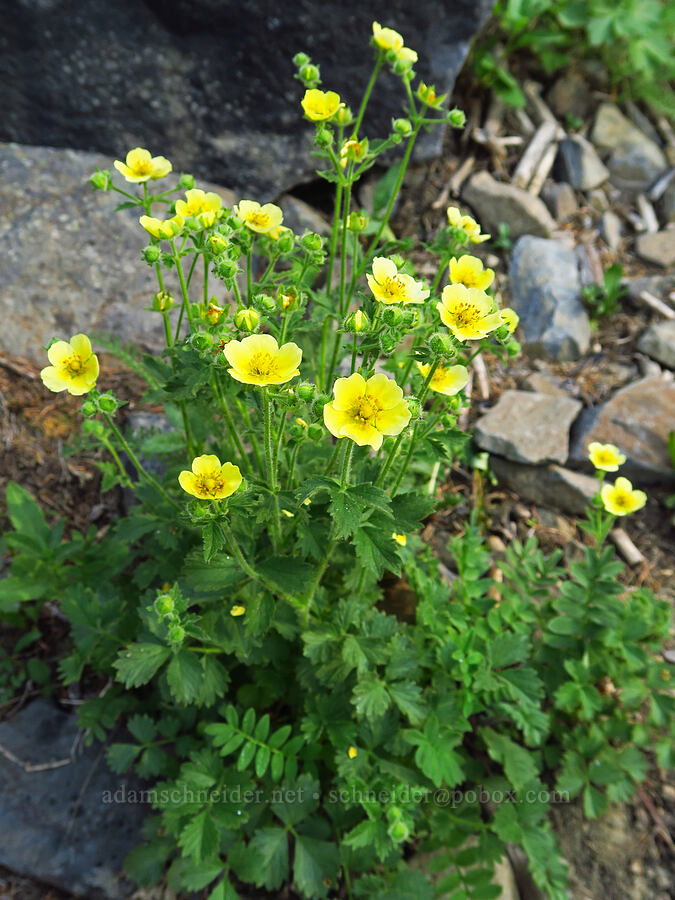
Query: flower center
[[465, 313], [622, 500], [210, 484], [394, 287], [365, 409], [73, 365], [263, 363], [259, 218], [143, 167]]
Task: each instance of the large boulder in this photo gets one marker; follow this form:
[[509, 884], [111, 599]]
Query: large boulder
[[209, 83]]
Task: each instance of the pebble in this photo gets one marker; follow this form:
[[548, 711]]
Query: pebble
[[495, 202]]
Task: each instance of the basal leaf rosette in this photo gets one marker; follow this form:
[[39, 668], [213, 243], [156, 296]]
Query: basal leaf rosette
[[140, 166], [366, 411], [258, 359], [389, 286], [468, 313], [209, 479], [74, 368]]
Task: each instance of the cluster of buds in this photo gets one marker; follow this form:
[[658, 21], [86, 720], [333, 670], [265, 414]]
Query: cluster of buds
[[100, 403], [308, 73]]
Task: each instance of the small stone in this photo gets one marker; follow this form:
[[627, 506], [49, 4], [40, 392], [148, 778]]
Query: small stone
[[545, 292], [610, 229], [552, 486], [561, 200], [637, 419], [666, 205], [495, 202], [647, 367], [299, 216], [597, 200], [541, 383], [570, 96], [660, 286], [528, 427], [658, 247], [583, 167], [658, 341], [634, 160]]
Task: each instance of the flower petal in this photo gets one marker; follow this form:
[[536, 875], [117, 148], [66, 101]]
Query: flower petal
[[384, 268], [362, 434], [188, 482], [384, 390], [289, 357], [81, 345], [394, 419], [58, 352], [334, 419], [203, 465], [348, 391]]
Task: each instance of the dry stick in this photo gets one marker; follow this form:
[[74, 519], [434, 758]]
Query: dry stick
[[657, 305], [30, 767], [540, 110], [463, 417], [658, 189], [543, 169], [543, 136], [525, 122], [460, 176], [647, 214], [481, 376], [626, 547]]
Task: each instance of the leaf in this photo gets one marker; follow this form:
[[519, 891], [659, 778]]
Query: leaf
[[371, 698], [184, 675], [519, 765], [199, 838], [215, 680], [142, 727], [508, 648], [269, 849], [138, 663], [408, 697], [376, 549], [121, 757], [296, 800], [25, 514], [315, 866], [145, 864], [345, 512], [223, 891], [383, 191], [291, 575], [409, 510]]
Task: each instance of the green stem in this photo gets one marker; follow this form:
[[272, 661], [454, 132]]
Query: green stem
[[270, 467], [206, 281], [291, 465], [366, 96], [355, 348], [254, 442], [334, 236], [248, 276], [334, 456], [183, 286], [347, 464], [414, 436], [126, 481], [229, 422]]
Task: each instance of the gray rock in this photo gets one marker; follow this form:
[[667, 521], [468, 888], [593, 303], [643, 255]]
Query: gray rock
[[560, 199], [208, 86], [634, 161], [71, 826], [657, 247], [528, 428], [299, 216], [666, 205], [495, 202], [658, 341], [571, 96], [610, 229], [597, 200], [660, 286], [637, 419], [545, 292], [545, 383], [552, 486], [70, 263], [583, 167]]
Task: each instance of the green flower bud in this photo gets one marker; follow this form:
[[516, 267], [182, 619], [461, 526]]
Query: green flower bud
[[410, 318], [398, 831], [247, 319], [297, 432], [310, 74], [163, 301], [357, 322], [201, 340], [286, 242], [457, 118], [107, 403], [312, 241], [89, 408], [402, 126], [176, 633], [164, 605], [268, 303], [100, 179], [513, 347], [301, 59], [319, 403], [344, 116], [187, 182], [150, 254], [440, 344], [414, 408], [398, 259], [357, 221], [306, 391], [93, 428], [218, 244], [226, 269], [324, 136], [392, 315], [388, 343], [315, 432]]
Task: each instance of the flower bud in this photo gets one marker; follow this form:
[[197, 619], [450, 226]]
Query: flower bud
[[150, 254], [176, 633], [319, 403], [164, 605], [93, 428], [344, 116], [311, 241], [213, 312], [187, 182], [398, 831], [456, 118], [357, 322], [218, 244], [226, 269], [89, 408], [388, 343], [315, 432], [402, 126], [392, 315], [440, 344], [324, 136], [201, 340], [301, 59], [410, 318], [309, 74], [163, 301], [247, 318], [297, 432], [353, 151], [269, 304], [427, 94], [398, 260], [414, 407], [357, 221], [396, 138], [101, 179], [107, 403], [513, 347], [306, 391], [285, 242]]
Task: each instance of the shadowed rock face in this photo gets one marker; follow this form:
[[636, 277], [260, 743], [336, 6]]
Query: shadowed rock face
[[209, 83]]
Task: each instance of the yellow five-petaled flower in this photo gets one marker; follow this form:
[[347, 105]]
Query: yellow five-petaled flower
[[468, 270], [258, 359], [162, 229], [620, 499], [205, 206], [448, 380], [74, 368], [468, 312], [606, 457], [366, 411], [320, 105], [209, 480], [387, 38], [467, 225], [389, 286], [261, 219], [141, 166]]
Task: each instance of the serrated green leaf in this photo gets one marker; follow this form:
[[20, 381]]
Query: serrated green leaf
[[142, 727], [269, 850], [121, 757], [199, 838], [138, 663], [184, 676], [518, 762], [315, 866]]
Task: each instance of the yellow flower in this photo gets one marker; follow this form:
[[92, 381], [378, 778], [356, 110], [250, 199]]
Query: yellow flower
[[365, 411], [237, 610], [427, 94], [401, 539], [162, 229], [279, 231], [510, 318], [209, 480], [448, 380], [201, 205], [387, 38], [467, 312], [406, 55], [213, 313], [302, 422], [468, 270], [74, 368], [262, 219], [469, 226], [258, 359], [320, 105], [606, 457], [390, 287], [620, 499], [140, 166], [353, 151], [352, 753]]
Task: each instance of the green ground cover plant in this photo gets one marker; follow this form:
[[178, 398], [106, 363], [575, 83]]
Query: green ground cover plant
[[291, 729]]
